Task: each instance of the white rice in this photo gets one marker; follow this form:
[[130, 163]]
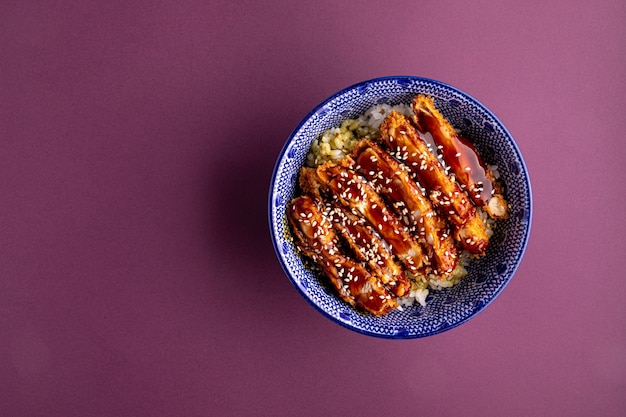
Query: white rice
[[335, 143]]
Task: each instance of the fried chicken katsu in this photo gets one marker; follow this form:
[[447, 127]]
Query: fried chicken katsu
[[410, 204], [392, 213], [317, 240], [356, 193], [368, 246], [461, 156], [401, 137]]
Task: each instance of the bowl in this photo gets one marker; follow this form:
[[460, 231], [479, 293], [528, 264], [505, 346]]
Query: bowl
[[487, 276]]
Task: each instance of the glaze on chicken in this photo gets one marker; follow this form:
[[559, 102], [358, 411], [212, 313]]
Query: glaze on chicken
[[393, 211]]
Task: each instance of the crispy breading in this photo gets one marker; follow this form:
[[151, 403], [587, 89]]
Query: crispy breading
[[392, 181], [317, 240], [356, 193], [461, 156], [368, 246], [405, 144]]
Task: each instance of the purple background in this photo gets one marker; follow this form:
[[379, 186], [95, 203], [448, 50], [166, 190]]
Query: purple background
[[137, 142]]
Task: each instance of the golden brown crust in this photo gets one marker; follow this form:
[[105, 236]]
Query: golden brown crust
[[317, 240], [405, 144], [310, 184], [368, 246], [460, 155], [392, 181], [384, 213], [356, 193]]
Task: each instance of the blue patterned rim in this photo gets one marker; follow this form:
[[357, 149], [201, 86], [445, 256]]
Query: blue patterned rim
[[487, 277]]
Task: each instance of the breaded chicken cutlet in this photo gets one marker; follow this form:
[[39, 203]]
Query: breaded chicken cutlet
[[392, 211]]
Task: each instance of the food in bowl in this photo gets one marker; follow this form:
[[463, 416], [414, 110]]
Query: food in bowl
[[394, 204], [486, 276]]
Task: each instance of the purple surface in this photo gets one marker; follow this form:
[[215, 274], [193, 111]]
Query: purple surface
[[137, 141]]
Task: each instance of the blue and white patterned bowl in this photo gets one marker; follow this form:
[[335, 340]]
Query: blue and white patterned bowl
[[445, 309]]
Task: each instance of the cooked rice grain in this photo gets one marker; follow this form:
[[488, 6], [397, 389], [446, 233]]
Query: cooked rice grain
[[337, 142]]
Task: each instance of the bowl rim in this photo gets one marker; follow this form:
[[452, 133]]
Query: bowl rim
[[521, 251]]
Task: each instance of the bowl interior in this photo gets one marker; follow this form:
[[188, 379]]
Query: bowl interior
[[487, 276]]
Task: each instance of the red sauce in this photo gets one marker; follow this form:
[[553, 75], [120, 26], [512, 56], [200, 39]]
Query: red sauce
[[355, 188], [469, 169], [462, 157]]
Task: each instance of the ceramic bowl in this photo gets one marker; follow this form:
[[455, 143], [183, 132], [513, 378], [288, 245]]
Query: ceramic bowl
[[487, 276]]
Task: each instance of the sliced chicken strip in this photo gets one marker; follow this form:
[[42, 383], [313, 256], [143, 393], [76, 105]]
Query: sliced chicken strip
[[356, 193], [369, 247], [363, 240], [404, 142], [317, 240], [393, 182], [461, 156]]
